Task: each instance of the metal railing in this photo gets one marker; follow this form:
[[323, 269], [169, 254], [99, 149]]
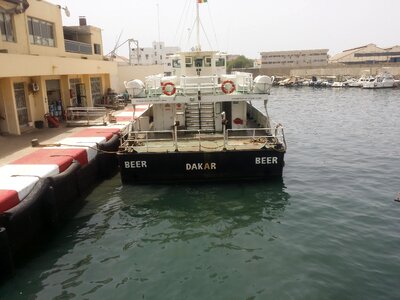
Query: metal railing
[[78, 47], [191, 85], [269, 136], [205, 84], [85, 116], [231, 138]]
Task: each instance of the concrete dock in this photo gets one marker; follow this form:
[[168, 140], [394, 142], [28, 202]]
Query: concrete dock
[[13, 147]]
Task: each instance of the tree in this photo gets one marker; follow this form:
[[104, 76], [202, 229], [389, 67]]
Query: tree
[[239, 63]]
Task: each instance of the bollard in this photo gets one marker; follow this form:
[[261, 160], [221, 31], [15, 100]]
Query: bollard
[[35, 143]]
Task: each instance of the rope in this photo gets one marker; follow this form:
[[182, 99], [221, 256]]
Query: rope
[[182, 23], [25, 175], [68, 145], [210, 148], [212, 24]]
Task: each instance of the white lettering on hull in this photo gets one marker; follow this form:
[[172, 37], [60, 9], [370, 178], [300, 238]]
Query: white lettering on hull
[[201, 166], [266, 160], [135, 164]]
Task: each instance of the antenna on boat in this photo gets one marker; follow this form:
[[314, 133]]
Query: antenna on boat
[[158, 22], [198, 47]]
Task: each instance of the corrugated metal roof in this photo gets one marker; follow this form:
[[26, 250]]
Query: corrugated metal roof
[[77, 29]]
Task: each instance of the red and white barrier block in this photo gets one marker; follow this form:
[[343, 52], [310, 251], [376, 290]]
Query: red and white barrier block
[[14, 189]]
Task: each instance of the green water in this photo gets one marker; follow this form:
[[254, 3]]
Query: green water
[[329, 230]]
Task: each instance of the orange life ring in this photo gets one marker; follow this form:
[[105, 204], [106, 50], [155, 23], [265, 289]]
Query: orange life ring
[[168, 92], [225, 90]]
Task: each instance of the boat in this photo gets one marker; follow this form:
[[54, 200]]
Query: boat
[[292, 81], [360, 82], [338, 84], [201, 125], [382, 80], [344, 83]]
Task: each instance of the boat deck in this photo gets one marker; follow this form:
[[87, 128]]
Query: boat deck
[[164, 142]]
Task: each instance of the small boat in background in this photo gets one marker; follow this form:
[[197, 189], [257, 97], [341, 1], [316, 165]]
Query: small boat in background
[[383, 80], [338, 84], [360, 82]]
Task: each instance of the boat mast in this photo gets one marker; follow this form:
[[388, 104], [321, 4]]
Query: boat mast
[[198, 47]]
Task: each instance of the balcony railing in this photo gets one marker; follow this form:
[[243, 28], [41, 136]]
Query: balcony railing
[[78, 47]]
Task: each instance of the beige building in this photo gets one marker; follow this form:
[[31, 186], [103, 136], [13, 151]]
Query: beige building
[[294, 58], [45, 67], [368, 54]]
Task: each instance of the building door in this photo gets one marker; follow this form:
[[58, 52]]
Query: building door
[[53, 91], [22, 109], [95, 85], [81, 94], [73, 82]]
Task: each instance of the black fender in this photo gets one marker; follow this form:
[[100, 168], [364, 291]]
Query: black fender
[[6, 259], [25, 222], [88, 176], [108, 162], [111, 145], [62, 193]]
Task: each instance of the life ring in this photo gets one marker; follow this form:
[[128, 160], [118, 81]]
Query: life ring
[[238, 121], [168, 92], [231, 89]]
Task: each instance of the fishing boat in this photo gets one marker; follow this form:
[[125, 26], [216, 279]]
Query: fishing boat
[[201, 124], [382, 80], [362, 80]]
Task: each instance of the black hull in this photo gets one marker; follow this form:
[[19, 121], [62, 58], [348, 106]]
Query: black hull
[[200, 166]]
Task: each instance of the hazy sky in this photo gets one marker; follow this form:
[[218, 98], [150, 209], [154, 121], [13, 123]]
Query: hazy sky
[[243, 27]]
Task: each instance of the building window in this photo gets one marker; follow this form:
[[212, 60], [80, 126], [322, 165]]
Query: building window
[[188, 62], [176, 63], [41, 32], [161, 57], [220, 62], [198, 62], [97, 48], [6, 28], [207, 62]]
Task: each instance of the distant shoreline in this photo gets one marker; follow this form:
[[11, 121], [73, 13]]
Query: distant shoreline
[[328, 70]]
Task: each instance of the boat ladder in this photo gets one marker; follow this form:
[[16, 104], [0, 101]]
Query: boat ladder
[[200, 116]]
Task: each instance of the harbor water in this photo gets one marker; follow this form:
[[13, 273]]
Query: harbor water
[[330, 229]]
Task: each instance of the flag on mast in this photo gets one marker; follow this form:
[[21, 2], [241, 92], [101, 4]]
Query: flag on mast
[[201, 1]]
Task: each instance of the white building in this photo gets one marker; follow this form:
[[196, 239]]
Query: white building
[[158, 54], [294, 58]]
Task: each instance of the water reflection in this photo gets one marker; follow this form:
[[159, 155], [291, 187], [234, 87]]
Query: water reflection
[[196, 210]]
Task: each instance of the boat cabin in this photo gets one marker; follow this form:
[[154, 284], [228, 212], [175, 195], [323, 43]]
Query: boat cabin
[[197, 94], [200, 63]]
